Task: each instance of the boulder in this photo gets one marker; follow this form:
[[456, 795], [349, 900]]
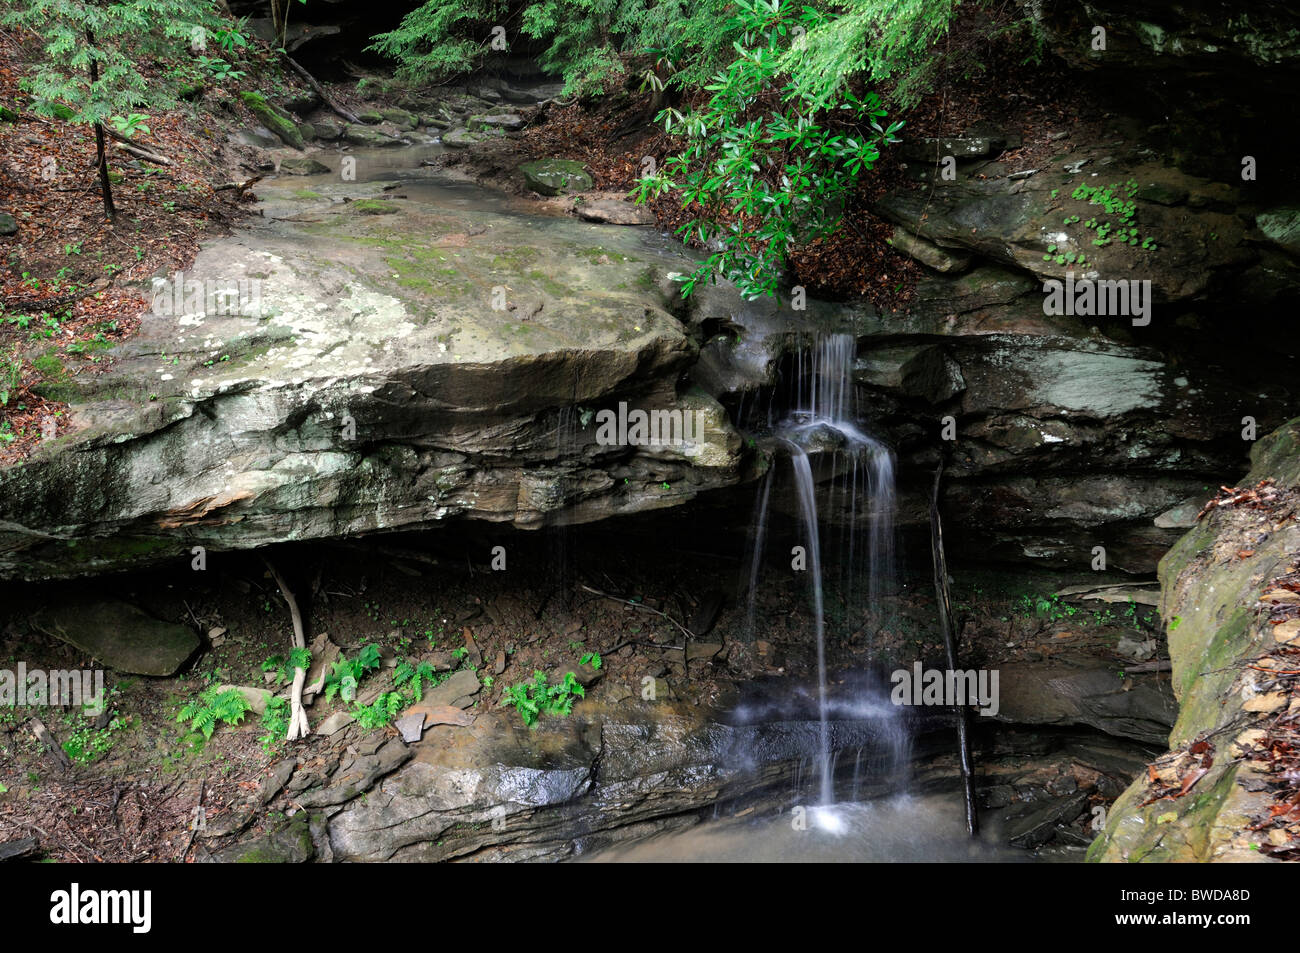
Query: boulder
[[370, 138], [302, 165], [275, 119], [506, 122], [553, 176], [614, 212], [400, 118], [120, 636], [327, 129]]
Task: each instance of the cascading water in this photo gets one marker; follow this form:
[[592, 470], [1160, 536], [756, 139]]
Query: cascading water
[[823, 421]]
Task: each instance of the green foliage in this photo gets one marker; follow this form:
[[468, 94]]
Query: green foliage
[[125, 34], [592, 659], [878, 39], [766, 164], [213, 708], [416, 677], [276, 722], [284, 667], [87, 743], [347, 673], [380, 712], [538, 697], [1115, 200]]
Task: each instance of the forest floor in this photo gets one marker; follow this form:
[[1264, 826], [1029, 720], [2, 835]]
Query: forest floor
[[137, 775]]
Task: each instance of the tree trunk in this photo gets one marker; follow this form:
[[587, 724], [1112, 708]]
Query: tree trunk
[[101, 156]]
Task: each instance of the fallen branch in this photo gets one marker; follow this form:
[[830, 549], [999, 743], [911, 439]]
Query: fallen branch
[[320, 91], [240, 187], [52, 746], [298, 727], [686, 644], [144, 154]]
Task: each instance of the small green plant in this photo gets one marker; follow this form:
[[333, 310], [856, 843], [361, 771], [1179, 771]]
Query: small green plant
[[416, 677], [213, 708], [87, 743], [347, 673], [592, 659], [276, 722], [284, 667], [130, 124], [380, 712], [538, 697]]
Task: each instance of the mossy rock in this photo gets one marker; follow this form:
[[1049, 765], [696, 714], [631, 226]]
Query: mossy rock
[[302, 165], [290, 843], [461, 138], [400, 118], [8, 224], [7, 114], [327, 130], [190, 91], [274, 119], [374, 207], [370, 117], [370, 138], [553, 176]]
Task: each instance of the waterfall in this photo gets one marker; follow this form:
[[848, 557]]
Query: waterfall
[[823, 421]]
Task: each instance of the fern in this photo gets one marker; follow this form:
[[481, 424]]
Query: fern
[[213, 708], [276, 722], [284, 667], [538, 697], [347, 673], [380, 712], [414, 676]]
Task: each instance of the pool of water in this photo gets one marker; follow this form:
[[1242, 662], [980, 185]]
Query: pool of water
[[901, 829]]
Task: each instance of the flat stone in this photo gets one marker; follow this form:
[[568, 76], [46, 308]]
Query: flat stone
[[302, 165], [290, 843], [274, 782], [553, 176], [506, 122], [257, 698], [929, 254], [357, 777], [121, 637], [614, 212], [370, 138], [462, 138], [1281, 226], [400, 118], [327, 130], [461, 684], [335, 723]]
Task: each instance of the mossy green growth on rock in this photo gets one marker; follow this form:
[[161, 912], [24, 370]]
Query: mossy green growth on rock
[[274, 119], [1209, 594], [553, 176], [374, 207]]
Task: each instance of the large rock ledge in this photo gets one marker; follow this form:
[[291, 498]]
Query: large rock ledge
[[401, 369], [1219, 627]]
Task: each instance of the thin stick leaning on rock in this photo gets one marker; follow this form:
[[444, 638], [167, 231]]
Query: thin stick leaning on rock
[[298, 727]]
